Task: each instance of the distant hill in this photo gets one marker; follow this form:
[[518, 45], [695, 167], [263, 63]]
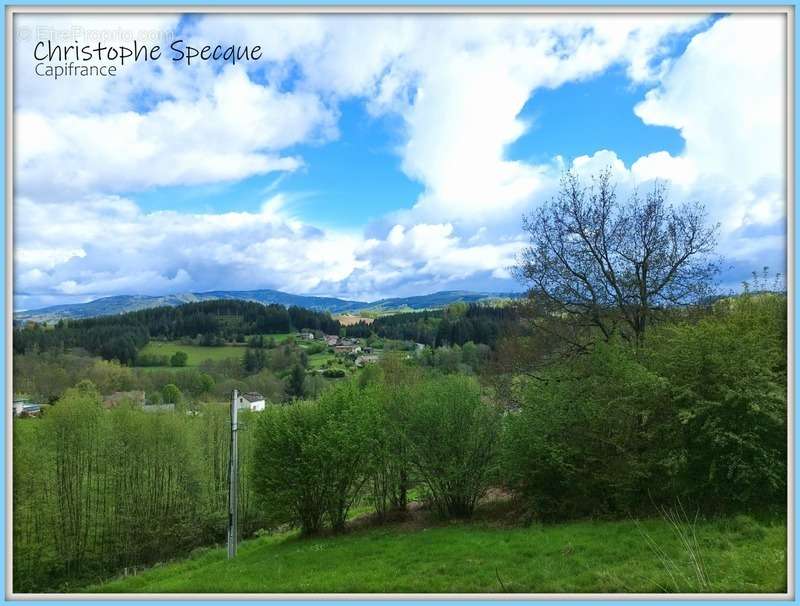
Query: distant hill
[[437, 299], [119, 304]]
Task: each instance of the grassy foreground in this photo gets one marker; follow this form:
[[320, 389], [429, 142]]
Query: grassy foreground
[[739, 556]]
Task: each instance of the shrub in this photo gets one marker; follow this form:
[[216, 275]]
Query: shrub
[[395, 385], [588, 439], [179, 358], [309, 458], [452, 438], [171, 394], [728, 381]]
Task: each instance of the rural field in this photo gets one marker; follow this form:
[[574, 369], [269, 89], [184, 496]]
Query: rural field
[[200, 353], [736, 556], [196, 353]]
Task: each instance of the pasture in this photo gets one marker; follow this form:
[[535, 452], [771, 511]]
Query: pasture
[[484, 556], [196, 353]]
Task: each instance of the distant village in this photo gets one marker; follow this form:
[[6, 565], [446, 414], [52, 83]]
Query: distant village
[[361, 355]]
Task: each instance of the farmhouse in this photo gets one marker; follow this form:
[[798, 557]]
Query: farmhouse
[[253, 401]]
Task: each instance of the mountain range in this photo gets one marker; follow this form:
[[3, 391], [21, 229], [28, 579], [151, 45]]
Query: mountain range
[[124, 303]]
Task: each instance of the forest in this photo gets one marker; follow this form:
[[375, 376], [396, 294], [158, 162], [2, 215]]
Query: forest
[[456, 324], [214, 322]]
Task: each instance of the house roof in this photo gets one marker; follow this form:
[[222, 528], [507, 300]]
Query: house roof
[[252, 396]]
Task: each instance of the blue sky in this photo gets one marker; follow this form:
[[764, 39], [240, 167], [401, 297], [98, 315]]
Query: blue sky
[[343, 183], [366, 157]]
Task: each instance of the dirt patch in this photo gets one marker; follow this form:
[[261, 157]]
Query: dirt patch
[[348, 320], [497, 508]]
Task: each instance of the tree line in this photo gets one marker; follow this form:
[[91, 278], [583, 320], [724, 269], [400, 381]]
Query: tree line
[[215, 322], [97, 491], [456, 324]]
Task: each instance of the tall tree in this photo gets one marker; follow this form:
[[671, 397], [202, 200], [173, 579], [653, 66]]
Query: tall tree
[[295, 386], [602, 263]]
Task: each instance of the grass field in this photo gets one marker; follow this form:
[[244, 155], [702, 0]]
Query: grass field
[[483, 556], [196, 353], [199, 353], [319, 360]]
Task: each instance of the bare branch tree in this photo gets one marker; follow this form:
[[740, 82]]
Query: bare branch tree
[[611, 266]]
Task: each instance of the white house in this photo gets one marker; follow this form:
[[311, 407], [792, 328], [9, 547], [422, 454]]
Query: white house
[[251, 401]]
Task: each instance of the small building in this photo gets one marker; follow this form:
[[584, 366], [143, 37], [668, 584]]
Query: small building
[[331, 340], [252, 401], [135, 397], [306, 335], [26, 408]]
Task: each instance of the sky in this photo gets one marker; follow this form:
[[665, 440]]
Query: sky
[[368, 156]]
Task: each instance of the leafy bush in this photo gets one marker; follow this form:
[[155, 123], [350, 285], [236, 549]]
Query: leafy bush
[[452, 439], [727, 374], [179, 358], [98, 490], [309, 458], [395, 385], [588, 439], [697, 413]]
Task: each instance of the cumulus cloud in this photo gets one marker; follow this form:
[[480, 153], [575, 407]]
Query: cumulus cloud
[[101, 246], [236, 130], [457, 85]]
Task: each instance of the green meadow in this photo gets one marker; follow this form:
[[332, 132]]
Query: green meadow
[[738, 555]]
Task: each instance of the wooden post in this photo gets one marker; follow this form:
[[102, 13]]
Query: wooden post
[[233, 479]]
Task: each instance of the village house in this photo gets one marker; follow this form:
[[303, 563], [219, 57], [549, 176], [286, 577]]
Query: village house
[[306, 335], [252, 401], [26, 408]]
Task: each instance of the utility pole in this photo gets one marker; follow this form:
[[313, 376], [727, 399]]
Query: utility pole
[[233, 478]]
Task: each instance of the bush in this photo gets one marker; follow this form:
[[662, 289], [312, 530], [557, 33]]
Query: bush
[[333, 373], [698, 413], [310, 458], [589, 438], [179, 358], [452, 438], [728, 382], [171, 394], [395, 385], [151, 360], [99, 490]]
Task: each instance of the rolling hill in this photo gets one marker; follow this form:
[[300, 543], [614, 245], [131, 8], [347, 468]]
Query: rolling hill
[[124, 303]]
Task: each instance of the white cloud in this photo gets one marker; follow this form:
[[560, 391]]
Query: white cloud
[[236, 130], [457, 83], [96, 247], [726, 94]]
